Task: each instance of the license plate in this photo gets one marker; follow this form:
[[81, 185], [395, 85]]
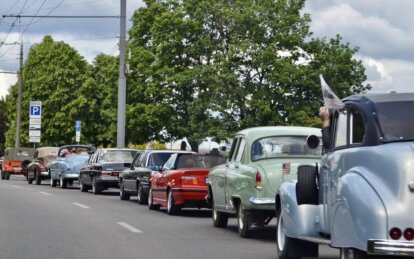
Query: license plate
[[17, 168]]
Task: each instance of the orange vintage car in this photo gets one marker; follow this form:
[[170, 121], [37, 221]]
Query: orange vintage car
[[15, 161], [182, 182]]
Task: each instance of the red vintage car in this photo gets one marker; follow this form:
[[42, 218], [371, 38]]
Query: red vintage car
[[182, 182]]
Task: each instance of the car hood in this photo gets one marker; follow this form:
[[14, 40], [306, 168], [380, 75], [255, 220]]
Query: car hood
[[275, 171]]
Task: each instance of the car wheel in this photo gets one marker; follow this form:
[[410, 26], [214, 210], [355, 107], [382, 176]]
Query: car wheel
[[287, 248], [63, 183], [83, 187], [220, 219], [7, 176], [122, 194], [38, 179], [152, 206], [243, 222], [306, 186], [2, 176], [96, 188], [142, 196], [172, 209], [29, 180], [53, 182]]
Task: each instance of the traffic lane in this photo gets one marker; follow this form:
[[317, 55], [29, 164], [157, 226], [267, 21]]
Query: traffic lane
[[190, 235]]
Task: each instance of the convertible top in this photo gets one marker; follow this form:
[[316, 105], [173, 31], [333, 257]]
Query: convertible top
[[393, 112]]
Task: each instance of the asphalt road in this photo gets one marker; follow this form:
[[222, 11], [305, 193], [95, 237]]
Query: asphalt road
[[44, 222]]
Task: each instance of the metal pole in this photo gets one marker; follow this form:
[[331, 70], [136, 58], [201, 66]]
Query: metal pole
[[19, 97], [120, 136]]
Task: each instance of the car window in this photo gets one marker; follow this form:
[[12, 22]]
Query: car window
[[357, 127], [233, 147], [142, 160], [341, 129], [158, 159], [120, 156], [240, 150], [170, 162]]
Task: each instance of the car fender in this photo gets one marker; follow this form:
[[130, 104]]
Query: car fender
[[359, 213], [298, 220]]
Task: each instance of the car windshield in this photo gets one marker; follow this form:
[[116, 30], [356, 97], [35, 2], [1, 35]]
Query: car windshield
[[199, 161], [281, 146], [119, 156]]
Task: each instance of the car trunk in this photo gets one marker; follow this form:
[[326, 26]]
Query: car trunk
[[201, 176], [278, 170]]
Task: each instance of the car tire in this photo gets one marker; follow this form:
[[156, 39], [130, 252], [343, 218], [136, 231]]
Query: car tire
[[63, 183], [220, 219], [83, 187], [172, 209], [142, 196], [38, 179], [151, 205], [2, 176], [306, 186], [122, 194], [96, 187], [287, 247], [7, 176], [53, 182], [29, 180], [243, 222]]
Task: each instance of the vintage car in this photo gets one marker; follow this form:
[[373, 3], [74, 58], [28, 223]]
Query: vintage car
[[182, 182], [135, 179], [360, 199], [104, 167], [65, 168], [38, 169], [16, 161], [259, 160]]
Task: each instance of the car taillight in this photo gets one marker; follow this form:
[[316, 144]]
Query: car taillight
[[395, 233], [258, 181], [409, 234], [106, 173], [188, 180], [115, 174]]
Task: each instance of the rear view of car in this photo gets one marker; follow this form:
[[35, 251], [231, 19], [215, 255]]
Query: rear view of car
[[16, 161]]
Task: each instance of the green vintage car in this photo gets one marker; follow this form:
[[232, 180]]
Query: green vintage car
[[259, 160]]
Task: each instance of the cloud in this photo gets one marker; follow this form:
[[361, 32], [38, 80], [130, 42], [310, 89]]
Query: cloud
[[6, 80]]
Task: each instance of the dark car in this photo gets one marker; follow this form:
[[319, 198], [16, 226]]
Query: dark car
[[104, 167], [38, 169], [135, 179]]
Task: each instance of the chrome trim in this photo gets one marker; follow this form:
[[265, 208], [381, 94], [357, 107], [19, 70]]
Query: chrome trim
[[262, 201], [390, 247], [319, 240], [411, 186]]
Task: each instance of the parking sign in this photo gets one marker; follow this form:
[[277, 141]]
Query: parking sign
[[35, 110], [35, 120], [78, 130]]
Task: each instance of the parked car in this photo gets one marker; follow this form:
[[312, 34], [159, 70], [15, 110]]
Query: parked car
[[65, 169], [361, 198], [104, 167], [16, 161], [259, 160], [182, 182], [38, 169], [135, 179]]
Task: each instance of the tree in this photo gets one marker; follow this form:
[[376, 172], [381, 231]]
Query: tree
[[57, 75], [3, 117], [205, 67]]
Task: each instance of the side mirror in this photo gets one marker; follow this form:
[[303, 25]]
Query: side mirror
[[312, 141]]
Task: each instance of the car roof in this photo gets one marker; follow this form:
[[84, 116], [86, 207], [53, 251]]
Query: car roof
[[260, 132], [119, 149], [380, 97]]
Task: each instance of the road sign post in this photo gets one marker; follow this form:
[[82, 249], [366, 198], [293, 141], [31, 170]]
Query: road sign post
[[78, 130], [35, 121]]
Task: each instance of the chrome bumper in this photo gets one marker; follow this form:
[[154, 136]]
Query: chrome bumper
[[262, 201], [390, 247]]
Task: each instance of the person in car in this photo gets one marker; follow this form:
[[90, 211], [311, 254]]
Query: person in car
[[325, 116]]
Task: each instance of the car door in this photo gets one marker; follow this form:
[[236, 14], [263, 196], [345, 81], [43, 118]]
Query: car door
[[86, 170], [127, 179], [234, 174]]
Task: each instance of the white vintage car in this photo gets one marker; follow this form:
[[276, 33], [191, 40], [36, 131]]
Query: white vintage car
[[360, 199]]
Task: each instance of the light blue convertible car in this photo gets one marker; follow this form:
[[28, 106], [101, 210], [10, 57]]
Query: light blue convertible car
[[360, 199]]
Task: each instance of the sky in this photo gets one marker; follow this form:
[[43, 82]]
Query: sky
[[381, 29]]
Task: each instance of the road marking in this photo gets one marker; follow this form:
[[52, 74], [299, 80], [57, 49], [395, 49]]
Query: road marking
[[15, 186], [81, 205], [45, 193], [129, 227]]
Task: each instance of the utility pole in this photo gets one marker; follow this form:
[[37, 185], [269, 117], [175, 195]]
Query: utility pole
[[120, 134], [19, 96]]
